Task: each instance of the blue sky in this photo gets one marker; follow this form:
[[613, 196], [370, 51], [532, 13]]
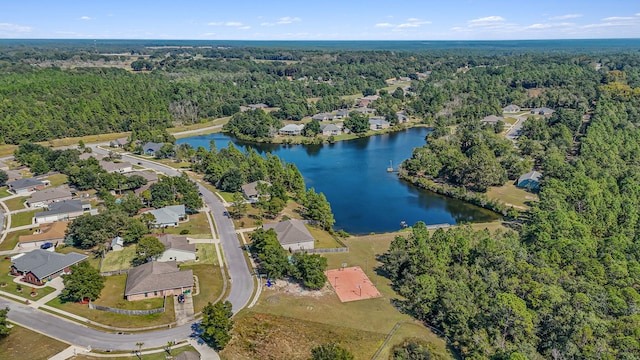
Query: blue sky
[[321, 20]]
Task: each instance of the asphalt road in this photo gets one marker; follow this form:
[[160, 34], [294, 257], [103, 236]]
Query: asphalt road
[[239, 295]]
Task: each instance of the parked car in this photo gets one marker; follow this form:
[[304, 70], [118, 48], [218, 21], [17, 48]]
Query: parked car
[[46, 245], [181, 298]]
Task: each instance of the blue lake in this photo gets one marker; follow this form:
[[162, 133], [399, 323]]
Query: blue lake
[[353, 175]]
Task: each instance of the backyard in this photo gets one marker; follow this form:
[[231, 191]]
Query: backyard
[[57, 179], [118, 260], [196, 227], [512, 195]]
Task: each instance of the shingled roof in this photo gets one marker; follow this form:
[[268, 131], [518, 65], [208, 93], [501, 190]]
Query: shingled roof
[[157, 276], [43, 263], [290, 232], [176, 242]]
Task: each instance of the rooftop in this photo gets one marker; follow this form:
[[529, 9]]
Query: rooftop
[[156, 276], [43, 263]]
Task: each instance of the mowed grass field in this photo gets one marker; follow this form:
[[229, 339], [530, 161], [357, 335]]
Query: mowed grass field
[[23, 343], [287, 324], [512, 195]]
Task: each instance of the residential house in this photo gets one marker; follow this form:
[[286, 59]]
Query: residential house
[[492, 120], [330, 130], [118, 143], [323, 117], [54, 233], [343, 113], [151, 148], [365, 110], [117, 244], [258, 106], [529, 181], [402, 118], [378, 123], [542, 111], [250, 190], [150, 176], [62, 211], [371, 97], [292, 234], [22, 186], [291, 130], [362, 102], [177, 248], [39, 266], [511, 109], [116, 167], [157, 279], [168, 215], [45, 197]]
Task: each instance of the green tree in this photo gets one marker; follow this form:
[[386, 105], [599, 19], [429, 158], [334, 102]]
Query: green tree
[[232, 180], [330, 351], [134, 230], [312, 128], [3, 177], [84, 281], [319, 209], [149, 248], [357, 122], [310, 269], [273, 258], [239, 207], [216, 324], [5, 329]]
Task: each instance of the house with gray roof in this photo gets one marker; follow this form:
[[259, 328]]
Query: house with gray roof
[[492, 120], [39, 266], [365, 110], [87, 156], [150, 176], [343, 113], [61, 211], [292, 234], [151, 148], [529, 181], [118, 143], [22, 186], [176, 248], [511, 109], [322, 117], [44, 197], [291, 130], [116, 167], [378, 123], [250, 190], [542, 111], [168, 215], [330, 130], [157, 279]]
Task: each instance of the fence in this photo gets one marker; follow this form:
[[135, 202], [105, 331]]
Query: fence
[[115, 272], [129, 312], [320, 251]]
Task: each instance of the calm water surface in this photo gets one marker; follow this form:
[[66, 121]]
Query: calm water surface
[[363, 195]]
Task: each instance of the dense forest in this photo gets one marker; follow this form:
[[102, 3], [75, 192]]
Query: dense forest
[[567, 285]]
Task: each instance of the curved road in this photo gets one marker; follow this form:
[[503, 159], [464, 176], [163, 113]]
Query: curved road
[[242, 286]]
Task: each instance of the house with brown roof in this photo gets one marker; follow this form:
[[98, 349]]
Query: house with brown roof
[[292, 235], [45, 197], [177, 248], [157, 279], [53, 233]]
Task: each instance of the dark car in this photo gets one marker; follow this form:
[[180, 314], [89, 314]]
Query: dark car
[[46, 245], [181, 298]]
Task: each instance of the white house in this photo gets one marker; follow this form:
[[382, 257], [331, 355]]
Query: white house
[[291, 130], [168, 215], [116, 167], [292, 235], [177, 248], [62, 211]]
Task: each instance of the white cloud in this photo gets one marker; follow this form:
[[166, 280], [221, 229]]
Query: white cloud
[[85, 18], [566, 17], [383, 25], [288, 20], [233, 23], [15, 28], [486, 21], [618, 18], [410, 23]]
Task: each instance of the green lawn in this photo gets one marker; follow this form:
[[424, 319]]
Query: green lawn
[[118, 320], [23, 218], [157, 356], [57, 179], [365, 323], [3, 192], [512, 195], [210, 279], [227, 196], [113, 296], [16, 203], [11, 240], [207, 254], [415, 330], [92, 258], [20, 343], [198, 227], [324, 240], [118, 260]]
